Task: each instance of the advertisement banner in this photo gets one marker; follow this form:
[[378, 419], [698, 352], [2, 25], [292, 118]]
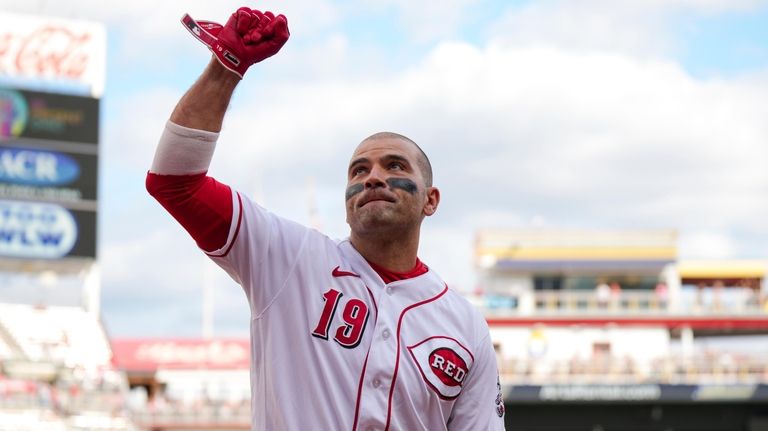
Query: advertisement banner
[[46, 175], [48, 116], [35, 230], [564, 393], [181, 354], [53, 49]]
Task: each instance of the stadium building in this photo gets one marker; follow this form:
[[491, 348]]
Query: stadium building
[[187, 384], [56, 370], [608, 330]]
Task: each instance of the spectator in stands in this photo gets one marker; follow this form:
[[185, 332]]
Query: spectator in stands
[[662, 294], [764, 303], [717, 296], [699, 302], [603, 294], [615, 294]]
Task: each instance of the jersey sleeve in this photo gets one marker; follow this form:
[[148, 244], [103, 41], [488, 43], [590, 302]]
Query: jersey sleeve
[[256, 248], [202, 205], [480, 405], [261, 253]]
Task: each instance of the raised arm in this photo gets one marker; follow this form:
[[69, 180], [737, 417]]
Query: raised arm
[[177, 178], [205, 103]]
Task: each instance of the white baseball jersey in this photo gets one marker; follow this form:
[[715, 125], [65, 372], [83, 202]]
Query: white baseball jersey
[[335, 348]]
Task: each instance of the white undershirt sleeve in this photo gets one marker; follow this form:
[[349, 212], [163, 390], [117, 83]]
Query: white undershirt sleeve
[[183, 151]]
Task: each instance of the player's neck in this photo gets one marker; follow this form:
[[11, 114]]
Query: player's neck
[[395, 255]]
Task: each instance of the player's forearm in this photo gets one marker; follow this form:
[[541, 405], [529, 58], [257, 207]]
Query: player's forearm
[[205, 103]]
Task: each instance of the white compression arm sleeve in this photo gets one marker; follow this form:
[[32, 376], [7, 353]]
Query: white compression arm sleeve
[[183, 151]]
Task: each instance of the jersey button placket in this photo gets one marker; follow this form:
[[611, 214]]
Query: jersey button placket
[[381, 359]]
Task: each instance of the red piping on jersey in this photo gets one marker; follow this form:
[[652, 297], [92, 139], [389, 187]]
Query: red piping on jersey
[[237, 229], [397, 361], [375, 307], [360, 390], [365, 364]]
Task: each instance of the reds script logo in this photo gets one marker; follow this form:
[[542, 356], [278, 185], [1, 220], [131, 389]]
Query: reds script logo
[[444, 364]]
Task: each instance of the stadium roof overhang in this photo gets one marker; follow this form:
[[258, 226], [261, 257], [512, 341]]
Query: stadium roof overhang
[[722, 269], [536, 250], [573, 266]]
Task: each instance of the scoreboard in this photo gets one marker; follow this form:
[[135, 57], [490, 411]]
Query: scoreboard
[[48, 175]]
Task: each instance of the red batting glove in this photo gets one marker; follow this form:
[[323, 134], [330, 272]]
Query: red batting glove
[[248, 37]]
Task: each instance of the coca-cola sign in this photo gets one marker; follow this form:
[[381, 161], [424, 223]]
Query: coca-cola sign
[[53, 49]]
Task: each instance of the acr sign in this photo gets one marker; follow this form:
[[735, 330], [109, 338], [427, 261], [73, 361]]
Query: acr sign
[[52, 49], [46, 175], [35, 167]]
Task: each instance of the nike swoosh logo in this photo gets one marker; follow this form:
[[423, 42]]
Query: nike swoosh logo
[[339, 273]]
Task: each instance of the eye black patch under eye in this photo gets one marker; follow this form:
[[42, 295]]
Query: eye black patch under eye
[[353, 190], [403, 184]]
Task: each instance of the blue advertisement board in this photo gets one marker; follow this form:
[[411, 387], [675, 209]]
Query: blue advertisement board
[[38, 230]]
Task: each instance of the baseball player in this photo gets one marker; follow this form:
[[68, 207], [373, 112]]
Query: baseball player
[[356, 334]]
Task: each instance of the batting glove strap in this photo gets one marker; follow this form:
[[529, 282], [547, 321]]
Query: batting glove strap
[[248, 37]]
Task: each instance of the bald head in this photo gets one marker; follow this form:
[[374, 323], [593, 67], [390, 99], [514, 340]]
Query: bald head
[[423, 161]]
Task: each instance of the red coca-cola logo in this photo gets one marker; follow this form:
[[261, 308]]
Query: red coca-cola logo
[[448, 366], [50, 51]]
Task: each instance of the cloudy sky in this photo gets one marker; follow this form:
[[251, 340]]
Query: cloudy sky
[[554, 113]]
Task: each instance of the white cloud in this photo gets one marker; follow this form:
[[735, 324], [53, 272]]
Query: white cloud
[[162, 270], [428, 20], [703, 6], [160, 19], [706, 245], [641, 27], [132, 129], [153, 284]]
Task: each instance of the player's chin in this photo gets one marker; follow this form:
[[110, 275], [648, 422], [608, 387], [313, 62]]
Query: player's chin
[[373, 219], [372, 208]]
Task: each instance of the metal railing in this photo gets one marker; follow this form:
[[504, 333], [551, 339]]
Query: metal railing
[[722, 368], [199, 414], [576, 302]]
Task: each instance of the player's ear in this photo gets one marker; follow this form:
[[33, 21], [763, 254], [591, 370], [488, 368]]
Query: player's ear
[[432, 201]]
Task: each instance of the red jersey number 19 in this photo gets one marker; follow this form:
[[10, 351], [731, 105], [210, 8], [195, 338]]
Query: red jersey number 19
[[354, 315]]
